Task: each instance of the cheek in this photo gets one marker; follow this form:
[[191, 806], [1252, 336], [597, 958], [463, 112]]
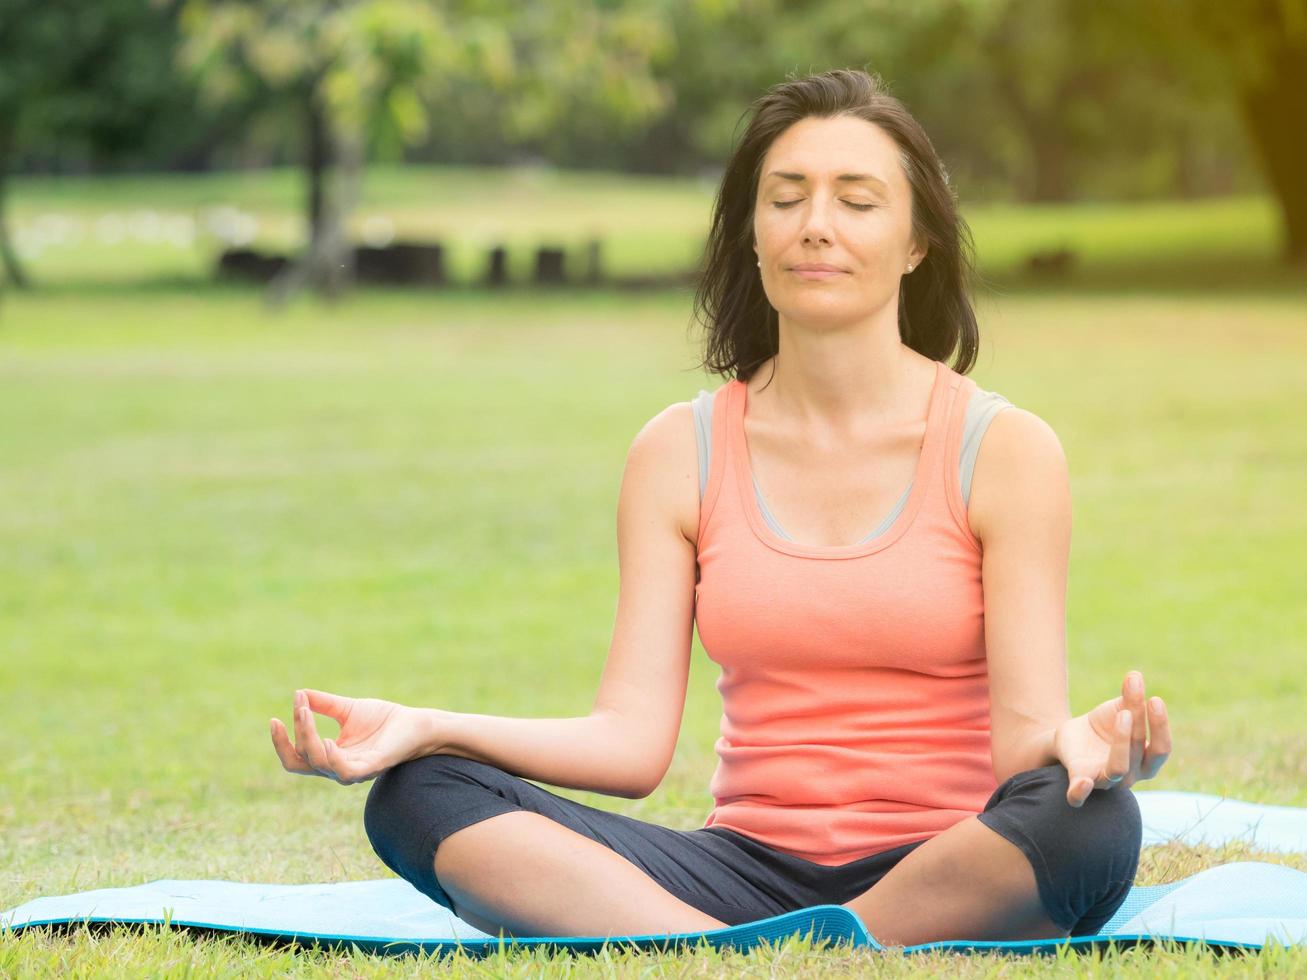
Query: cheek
[[763, 222]]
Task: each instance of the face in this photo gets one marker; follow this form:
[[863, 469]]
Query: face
[[807, 214]]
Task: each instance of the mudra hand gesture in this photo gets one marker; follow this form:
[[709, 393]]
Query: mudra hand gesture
[[1110, 746], [374, 735]]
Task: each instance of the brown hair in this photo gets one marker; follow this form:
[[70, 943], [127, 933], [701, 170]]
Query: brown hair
[[935, 314]]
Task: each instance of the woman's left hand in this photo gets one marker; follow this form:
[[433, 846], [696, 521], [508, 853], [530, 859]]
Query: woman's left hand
[[1111, 746]]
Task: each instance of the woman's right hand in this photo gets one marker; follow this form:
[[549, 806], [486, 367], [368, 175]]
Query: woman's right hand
[[374, 735]]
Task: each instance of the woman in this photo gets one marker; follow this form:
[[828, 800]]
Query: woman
[[896, 735]]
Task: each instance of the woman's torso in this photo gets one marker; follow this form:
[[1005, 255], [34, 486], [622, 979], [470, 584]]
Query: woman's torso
[[855, 697]]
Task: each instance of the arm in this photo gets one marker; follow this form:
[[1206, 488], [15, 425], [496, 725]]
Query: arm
[[584, 753], [1023, 517], [595, 752], [625, 745], [1020, 509]]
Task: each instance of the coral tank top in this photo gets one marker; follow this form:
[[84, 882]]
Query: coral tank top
[[855, 696]]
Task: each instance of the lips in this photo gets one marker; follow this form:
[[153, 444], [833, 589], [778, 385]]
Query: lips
[[816, 273]]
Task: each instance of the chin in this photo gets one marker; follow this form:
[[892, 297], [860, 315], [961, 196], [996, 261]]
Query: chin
[[825, 308]]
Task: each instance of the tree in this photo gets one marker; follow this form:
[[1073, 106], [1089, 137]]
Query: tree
[[1062, 74], [365, 76], [1257, 50], [90, 78], [1034, 97]]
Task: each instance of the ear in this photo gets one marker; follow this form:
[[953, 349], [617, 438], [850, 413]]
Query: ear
[[917, 252]]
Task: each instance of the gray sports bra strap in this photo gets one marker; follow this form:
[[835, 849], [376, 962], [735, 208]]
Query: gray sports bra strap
[[703, 435], [982, 408]]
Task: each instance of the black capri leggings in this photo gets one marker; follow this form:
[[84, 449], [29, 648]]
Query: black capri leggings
[[1084, 859]]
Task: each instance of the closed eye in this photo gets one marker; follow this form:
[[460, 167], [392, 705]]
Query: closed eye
[[787, 204]]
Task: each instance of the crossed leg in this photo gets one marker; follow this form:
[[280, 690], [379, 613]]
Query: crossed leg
[[524, 873], [528, 875], [966, 882]]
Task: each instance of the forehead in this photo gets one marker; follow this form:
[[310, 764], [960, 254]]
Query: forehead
[[843, 149]]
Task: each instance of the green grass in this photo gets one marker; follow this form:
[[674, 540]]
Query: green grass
[[204, 507]]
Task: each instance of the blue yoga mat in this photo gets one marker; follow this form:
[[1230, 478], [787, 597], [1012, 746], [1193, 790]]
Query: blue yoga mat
[[1202, 818], [1245, 904]]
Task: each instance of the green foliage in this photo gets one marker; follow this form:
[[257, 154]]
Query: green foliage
[[90, 79], [1135, 98], [366, 61], [1220, 46], [83, 80], [383, 65]]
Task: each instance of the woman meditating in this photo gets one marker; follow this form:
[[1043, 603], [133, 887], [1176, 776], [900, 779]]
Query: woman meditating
[[896, 734]]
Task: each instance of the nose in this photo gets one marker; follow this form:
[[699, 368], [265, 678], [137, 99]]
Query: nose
[[817, 226]]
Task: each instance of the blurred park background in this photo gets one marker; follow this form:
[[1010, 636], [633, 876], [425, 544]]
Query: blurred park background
[[140, 140], [326, 326]]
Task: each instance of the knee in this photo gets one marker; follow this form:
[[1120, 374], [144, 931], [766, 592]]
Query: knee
[[391, 801], [406, 801], [1107, 825], [1084, 857], [406, 798]]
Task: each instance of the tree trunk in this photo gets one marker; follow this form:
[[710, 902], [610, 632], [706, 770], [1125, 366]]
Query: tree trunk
[[318, 161], [13, 268], [1273, 113], [338, 254], [1048, 151], [1041, 134], [334, 164]]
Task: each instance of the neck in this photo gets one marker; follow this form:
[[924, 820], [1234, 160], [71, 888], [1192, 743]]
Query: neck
[[837, 383]]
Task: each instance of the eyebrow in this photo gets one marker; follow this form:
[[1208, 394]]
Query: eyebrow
[[852, 178]]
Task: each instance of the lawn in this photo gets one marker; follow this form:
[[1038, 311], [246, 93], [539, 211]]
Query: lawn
[[204, 506]]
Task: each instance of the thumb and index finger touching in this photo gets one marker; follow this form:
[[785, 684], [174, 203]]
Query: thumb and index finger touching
[[332, 705], [295, 758]]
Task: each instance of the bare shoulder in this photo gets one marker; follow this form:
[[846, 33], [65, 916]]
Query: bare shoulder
[[667, 458], [1020, 474]]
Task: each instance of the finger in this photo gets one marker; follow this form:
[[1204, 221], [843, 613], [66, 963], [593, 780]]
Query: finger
[[344, 770], [1159, 745], [1079, 786], [286, 752], [1118, 760], [291, 760], [331, 705], [308, 741], [1139, 712]]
